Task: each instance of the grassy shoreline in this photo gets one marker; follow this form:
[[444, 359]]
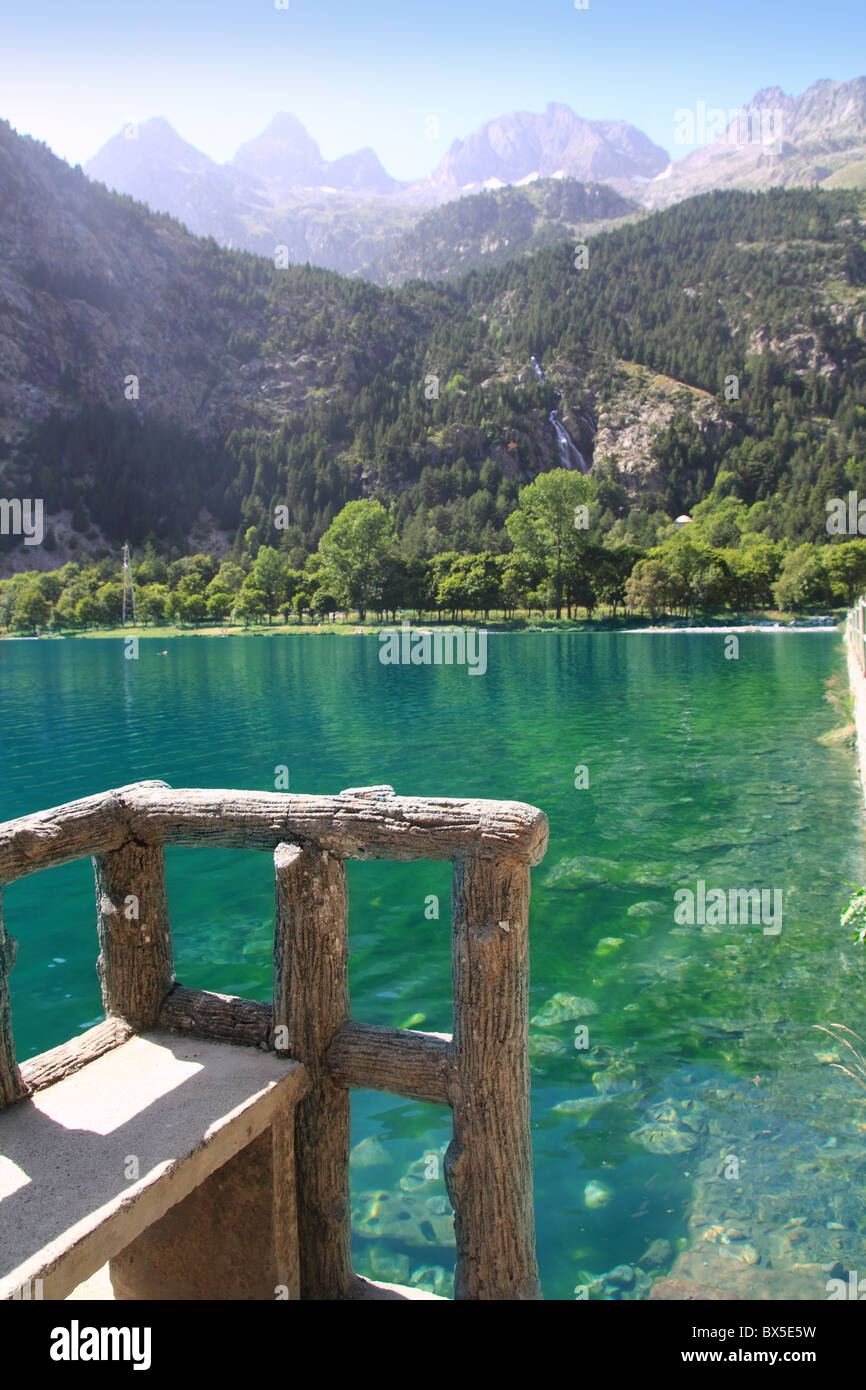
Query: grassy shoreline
[[627, 623]]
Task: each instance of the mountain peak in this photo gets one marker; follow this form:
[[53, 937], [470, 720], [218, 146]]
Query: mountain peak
[[284, 153], [558, 142], [133, 160]]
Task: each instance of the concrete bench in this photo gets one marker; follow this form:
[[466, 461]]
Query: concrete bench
[[171, 1157]]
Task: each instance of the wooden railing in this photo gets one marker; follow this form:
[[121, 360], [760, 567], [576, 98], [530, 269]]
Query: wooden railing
[[857, 632], [482, 1072]]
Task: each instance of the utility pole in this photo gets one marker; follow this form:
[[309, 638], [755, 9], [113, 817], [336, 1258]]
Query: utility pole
[[128, 580]]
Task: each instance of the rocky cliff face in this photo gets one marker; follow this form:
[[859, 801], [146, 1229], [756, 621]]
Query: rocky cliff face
[[94, 290], [777, 140], [350, 215], [559, 144]]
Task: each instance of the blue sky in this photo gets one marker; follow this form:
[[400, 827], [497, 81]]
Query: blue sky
[[371, 73]]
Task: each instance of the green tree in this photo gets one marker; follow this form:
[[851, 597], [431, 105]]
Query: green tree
[[543, 529], [647, 587], [32, 609], [228, 578], [87, 611], [268, 575], [193, 608], [804, 581], [353, 552], [251, 605], [846, 568], [151, 603], [64, 614], [323, 603], [219, 605], [109, 601]]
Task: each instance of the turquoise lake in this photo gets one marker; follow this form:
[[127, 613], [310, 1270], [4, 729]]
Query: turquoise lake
[[702, 1042]]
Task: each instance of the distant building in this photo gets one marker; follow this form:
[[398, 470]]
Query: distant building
[[682, 520]]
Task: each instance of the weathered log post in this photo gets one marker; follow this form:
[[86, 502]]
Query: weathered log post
[[311, 1004], [135, 964], [488, 1165], [11, 1085]]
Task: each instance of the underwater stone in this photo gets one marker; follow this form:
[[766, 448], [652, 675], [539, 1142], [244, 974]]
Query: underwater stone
[[541, 1046], [657, 1255], [597, 1195], [672, 1128], [433, 1279], [585, 1107], [404, 1217], [425, 1169], [608, 945], [563, 1008], [388, 1265], [370, 1153]]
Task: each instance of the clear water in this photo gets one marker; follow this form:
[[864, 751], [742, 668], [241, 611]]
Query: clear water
[[699, 768]]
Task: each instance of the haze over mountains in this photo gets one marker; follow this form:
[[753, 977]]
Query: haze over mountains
[[349, 214], [153, 384]]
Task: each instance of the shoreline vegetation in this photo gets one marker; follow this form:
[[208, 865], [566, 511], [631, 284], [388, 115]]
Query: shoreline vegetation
[[566, 566], [629, 623]]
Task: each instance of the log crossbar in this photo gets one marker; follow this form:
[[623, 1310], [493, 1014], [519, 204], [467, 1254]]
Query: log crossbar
[[481, 1072]]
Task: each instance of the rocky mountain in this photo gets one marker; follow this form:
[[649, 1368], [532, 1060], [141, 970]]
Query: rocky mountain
[[777, 140], [276, 192], [173, 342], [523, 146], [350, 215], [153, 164], [154, 384], [278, 195], [285, 156]]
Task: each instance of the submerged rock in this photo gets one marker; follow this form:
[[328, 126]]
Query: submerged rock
[[672, 1128], [617, 1078], [428, 1168], [411, 1219], [658, 1255], [586, 873], [622, 1283], [597, 1195], [542, 1046], [608, 945], [370, 1153], [388, 1265], [433, 1279], [583, 1108], [563, 1008]]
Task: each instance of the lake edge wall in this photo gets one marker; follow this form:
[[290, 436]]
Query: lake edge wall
[[857, 682]]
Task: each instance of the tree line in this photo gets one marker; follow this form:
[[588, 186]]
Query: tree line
[[566, 554]]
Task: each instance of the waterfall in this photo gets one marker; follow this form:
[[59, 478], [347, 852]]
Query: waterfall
[[569, 453], [568, 450]]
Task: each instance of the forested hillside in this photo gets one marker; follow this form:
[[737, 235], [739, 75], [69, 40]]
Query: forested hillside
[[493, 227], [716, 348]]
